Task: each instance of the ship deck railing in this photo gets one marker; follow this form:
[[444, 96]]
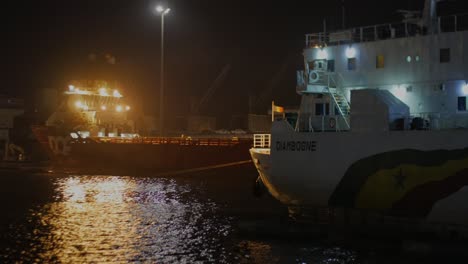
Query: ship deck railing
[[452, 23], [262, 141], [185, 141], [322, 123]]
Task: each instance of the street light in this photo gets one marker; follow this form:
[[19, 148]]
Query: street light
[[163, 11]]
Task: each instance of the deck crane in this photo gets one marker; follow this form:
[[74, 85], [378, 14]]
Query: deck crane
[[211, 90]]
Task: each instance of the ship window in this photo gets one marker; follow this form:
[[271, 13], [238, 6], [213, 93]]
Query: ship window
[[462, 103], [331, 65], [444, 55], [380, 62], [322, 109], [351, 64]]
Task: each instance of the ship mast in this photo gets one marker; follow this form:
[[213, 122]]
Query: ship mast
[[430, 16]]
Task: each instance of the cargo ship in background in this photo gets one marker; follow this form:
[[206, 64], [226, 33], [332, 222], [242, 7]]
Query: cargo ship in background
[[92, 129]]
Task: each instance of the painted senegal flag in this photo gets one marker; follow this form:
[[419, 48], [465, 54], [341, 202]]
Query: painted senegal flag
[[404, 182]]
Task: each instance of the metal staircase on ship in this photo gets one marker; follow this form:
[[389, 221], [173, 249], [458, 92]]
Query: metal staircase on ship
[[322, 81], [338, 96]]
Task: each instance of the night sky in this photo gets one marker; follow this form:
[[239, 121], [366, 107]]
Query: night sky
[[47, 43]]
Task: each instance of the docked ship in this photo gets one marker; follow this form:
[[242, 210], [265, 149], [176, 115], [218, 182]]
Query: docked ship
[[92, 129], [382, 127]]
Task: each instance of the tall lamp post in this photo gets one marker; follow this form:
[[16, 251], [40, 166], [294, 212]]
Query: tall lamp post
[[163, 11]]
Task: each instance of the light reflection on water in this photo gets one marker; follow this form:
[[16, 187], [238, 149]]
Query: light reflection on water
[[120, 219], [124, 219]]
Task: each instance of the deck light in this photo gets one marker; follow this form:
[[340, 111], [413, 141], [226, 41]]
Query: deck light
[[119, 108], [116, 93], [71, 88], [127, 108], [350, 52], [103, 108], [79, 104], [322, 54], [465, 89], [400, 91], [103, 92]]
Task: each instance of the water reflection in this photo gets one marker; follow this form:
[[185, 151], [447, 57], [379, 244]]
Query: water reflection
[[114, 219], [124, 219]]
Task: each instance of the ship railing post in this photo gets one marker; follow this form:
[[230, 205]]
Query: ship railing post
[[438, 25], [323, 123], [375, 33], [455, 23]]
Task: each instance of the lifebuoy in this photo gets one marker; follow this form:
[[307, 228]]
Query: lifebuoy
[[314, 76], [332, 122]]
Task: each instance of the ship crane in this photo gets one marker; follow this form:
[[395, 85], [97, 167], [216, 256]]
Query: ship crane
[[261, 101], [212, 89]]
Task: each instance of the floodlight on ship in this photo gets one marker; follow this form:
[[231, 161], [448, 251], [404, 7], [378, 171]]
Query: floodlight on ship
[[103, 92], [116, 93]]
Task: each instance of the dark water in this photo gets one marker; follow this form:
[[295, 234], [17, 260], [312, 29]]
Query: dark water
[[61, 218]]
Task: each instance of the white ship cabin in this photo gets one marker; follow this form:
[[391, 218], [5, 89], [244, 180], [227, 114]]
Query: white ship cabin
[[407, 75], [93, 109]]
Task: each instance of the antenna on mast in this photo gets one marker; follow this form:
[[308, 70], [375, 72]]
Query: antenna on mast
[[430, 16], [342, 14]]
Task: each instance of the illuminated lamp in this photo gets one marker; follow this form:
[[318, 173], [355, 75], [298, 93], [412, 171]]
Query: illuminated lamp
[[79, 104], [350, 52], [71, 88], [400, 91], [116, 93], [465, 89], [322, 54], [103, 92], [159, 9], [103, 107], [162, 10], [127, 107], [119, 108]]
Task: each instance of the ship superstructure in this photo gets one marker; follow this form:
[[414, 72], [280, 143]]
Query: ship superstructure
[[421, 61], [382, 126], [93, 109]]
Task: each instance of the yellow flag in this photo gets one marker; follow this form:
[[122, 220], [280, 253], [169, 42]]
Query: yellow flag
[[278, 109]]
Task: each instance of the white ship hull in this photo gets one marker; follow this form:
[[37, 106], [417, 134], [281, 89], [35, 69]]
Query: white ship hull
[[418, 174]]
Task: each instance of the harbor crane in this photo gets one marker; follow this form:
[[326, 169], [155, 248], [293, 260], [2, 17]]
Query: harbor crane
[[212, 89]]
